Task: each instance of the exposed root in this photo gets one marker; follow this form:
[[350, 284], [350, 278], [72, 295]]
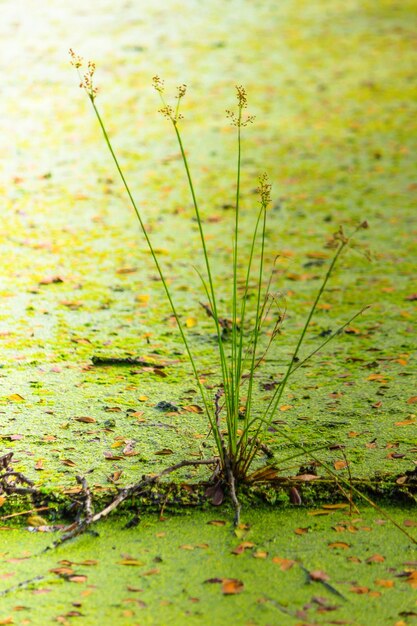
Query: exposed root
[[10, 480], [232, 488], [226, 461], [87, 497]]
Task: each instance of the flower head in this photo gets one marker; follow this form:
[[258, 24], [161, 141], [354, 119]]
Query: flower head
[[158, 84], [86, 79], [242, 102], [264, 190], [171, 113]]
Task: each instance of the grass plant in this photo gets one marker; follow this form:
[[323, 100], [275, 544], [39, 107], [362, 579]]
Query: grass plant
[[237, 423]]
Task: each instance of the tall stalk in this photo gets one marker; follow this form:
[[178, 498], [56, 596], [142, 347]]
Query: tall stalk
[[88, 85], [174, 116]]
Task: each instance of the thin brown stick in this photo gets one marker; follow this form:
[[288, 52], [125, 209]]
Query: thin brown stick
[[352, 505], [164, 503], [38, 510], [109, 360], [21, 585]]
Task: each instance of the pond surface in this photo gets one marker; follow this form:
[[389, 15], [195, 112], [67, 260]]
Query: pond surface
[[332, 88], [284, 567]]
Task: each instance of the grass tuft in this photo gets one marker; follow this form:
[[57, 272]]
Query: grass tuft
[[237, 423]]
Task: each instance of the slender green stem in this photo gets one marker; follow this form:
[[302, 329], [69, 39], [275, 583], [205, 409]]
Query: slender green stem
[[330, 338], [276, 397], [346, 482], [235, 368], [223, 360], [155, 259], [274, 402], [256, 330]]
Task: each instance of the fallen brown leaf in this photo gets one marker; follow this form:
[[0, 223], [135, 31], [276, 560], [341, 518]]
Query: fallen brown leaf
[[78, 578], [384, 583], [245, 545], [376, 558], [85, 420], [231, 586], [193, 408], [359, 590], [284, 564], [319, 576]]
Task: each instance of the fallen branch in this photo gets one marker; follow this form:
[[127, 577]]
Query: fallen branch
[[139, 488], [108, 360]]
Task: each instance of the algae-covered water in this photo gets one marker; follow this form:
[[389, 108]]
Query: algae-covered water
[[332, 86], [283, 567]]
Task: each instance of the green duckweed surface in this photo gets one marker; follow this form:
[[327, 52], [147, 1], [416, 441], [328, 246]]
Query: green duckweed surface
[[285, 567], [332, 85]]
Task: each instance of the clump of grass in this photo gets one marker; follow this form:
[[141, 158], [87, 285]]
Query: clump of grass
[[238, 425]]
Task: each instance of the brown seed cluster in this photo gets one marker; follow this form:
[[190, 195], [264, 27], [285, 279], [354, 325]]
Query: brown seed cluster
[[158, 84], [86, 79], [181, 91], [76, 60], [241, 96], [242, 102], [167, 110], [264, 190]]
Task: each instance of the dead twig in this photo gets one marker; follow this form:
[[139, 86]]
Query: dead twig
[[164, 503], [24, 583], [28, 512], [352, 505], [10, 479]]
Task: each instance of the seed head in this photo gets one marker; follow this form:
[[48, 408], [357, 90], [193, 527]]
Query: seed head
[[181, 91], [87, 82], [76, 60], [167, 111], [264, 190], [241, 97], [86, 79], [158, 84], [242, 102]]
